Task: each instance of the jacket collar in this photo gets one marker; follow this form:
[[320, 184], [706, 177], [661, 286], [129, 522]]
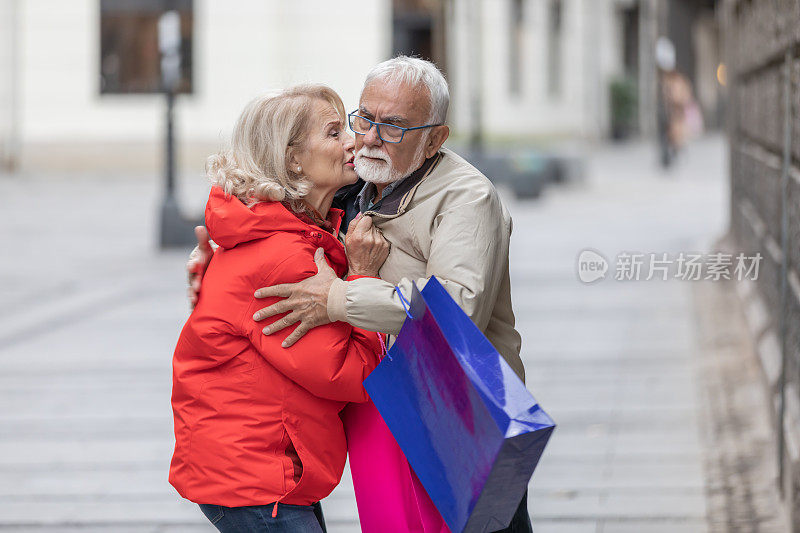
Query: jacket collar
[[230, 223], [394, 204], [332, 223]]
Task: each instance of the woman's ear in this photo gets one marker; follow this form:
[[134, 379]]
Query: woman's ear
[[293, 161]]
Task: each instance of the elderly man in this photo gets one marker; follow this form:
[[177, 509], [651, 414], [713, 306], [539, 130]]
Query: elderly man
[[441, 216]]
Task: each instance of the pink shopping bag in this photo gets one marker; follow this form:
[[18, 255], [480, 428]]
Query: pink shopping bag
[[389, 496]]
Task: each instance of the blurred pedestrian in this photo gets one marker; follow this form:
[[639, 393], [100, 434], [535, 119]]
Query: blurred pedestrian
[[258, 438], [679, 116]]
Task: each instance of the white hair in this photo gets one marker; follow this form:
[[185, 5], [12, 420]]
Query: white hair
[[270, 127], [414, 71]]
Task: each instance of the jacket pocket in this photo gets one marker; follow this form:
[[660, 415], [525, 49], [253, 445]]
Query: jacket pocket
[[293, 466]]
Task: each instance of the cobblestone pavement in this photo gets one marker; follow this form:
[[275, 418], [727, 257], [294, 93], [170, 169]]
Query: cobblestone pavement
[[91, 311], [741, 456]]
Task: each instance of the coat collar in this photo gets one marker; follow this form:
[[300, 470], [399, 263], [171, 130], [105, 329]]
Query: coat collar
[[394, 204]]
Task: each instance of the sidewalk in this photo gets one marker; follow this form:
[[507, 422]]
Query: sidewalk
[[91, 312], [613, 361]]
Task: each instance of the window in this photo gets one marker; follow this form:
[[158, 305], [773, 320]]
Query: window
[[554, 29], [629, 18], [130, 61], [413, 28]]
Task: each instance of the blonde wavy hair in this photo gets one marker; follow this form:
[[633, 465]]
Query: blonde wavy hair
[[256, 166]]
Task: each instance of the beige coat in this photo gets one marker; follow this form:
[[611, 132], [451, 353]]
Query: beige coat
[[451, 224]]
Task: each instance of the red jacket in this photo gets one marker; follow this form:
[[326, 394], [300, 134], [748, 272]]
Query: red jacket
[[242, 404]]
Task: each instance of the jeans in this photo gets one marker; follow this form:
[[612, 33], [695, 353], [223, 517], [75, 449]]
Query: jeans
[[258, 518]]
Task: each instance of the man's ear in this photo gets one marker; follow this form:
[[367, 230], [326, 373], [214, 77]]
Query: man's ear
[[439, 135]]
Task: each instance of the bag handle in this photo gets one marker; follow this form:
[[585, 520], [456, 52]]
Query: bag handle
[[384, 351], [406, 306], [403, 301]]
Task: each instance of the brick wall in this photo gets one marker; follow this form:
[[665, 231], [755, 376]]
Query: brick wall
[[758, 34]]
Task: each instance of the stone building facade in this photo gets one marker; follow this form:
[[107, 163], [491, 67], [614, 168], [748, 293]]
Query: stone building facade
[[762, 45]]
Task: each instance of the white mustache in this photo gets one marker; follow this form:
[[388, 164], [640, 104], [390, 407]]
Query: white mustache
[[373, 153]]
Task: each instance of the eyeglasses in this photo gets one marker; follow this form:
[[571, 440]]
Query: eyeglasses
[[388, 133]]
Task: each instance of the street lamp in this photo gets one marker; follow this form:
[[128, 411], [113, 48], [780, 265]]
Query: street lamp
[[175, 229]]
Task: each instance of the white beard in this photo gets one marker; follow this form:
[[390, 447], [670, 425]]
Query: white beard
[[381, 173], [372, 171]]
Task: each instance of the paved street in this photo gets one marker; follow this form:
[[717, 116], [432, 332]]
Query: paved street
[[91, 311]]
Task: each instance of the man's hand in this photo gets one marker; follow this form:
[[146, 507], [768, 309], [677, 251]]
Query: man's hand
[[366, 247], [306, 302], [198, 263]]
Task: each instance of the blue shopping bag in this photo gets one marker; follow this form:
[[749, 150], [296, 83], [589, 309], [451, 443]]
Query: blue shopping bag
[[466, 423]]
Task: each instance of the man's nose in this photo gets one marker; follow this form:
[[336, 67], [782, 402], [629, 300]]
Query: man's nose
[[371, 138]]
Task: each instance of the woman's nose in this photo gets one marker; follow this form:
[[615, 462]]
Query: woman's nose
[[348, 142]]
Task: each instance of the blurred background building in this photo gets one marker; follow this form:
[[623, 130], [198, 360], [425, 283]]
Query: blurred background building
[[80, 80], [83, 77]]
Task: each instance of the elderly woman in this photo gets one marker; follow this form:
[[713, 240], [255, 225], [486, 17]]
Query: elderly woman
[[259, 440]]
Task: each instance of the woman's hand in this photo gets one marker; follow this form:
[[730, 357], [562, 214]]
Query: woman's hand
[[197, 264], [366, 248]]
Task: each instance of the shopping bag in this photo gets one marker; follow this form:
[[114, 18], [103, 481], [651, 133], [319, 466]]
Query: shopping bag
[[469, 428], [389, 496]]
